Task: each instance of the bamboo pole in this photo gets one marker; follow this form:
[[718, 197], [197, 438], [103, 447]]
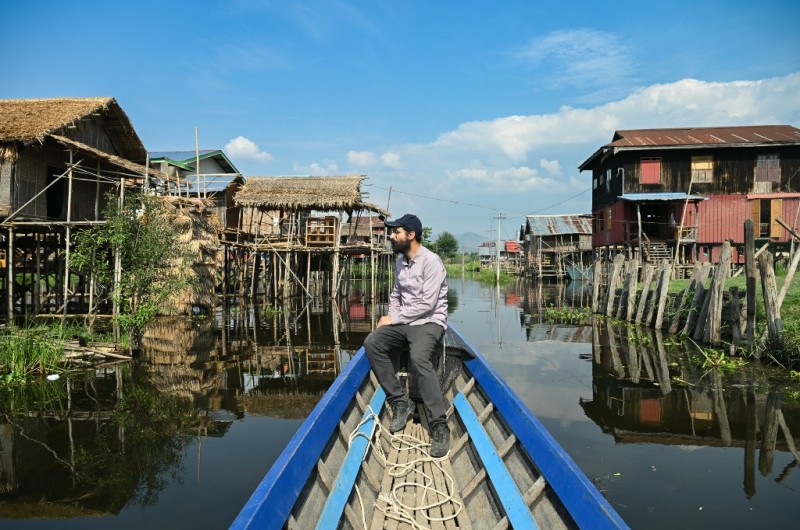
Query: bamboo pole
[[68, 236], [10, 271]]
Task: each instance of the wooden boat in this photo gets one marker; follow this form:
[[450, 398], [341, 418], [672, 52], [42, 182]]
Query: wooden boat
[[504, 470]]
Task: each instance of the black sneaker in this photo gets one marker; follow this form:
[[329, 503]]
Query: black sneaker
[[401, 412], [440, 440]]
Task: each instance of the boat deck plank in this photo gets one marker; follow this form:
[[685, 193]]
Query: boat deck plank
[[416, 496]]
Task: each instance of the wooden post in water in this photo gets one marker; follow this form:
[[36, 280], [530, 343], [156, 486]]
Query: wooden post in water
[[697, 299], [597, 279], [648, 279], [683, 298], [711, 334], [633, 281], [736, 330], [612, 283], [654, 300], [663, 293], [702, 318], [750, 270], [771, 307], [622, 302], [789, 276]]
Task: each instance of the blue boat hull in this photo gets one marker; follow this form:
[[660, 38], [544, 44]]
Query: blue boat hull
[[293, 486]]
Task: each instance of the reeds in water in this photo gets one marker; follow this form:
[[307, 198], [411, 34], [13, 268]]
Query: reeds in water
[[29, 350]]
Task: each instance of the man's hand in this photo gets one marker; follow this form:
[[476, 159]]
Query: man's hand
[[385, 320]]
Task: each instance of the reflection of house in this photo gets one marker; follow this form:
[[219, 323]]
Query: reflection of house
[[217, 180], [557, 245], [649, 188], [59, 160]]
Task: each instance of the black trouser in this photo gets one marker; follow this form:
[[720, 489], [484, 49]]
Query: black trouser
[[419, 341]]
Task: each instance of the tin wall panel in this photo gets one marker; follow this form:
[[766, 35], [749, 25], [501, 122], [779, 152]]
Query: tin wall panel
[[722, 218]]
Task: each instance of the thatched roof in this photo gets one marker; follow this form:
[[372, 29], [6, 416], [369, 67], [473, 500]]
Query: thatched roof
[[304, 193], [135, 168], [24, 120]]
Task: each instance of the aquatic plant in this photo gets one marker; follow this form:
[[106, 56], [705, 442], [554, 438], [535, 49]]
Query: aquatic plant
[[30, 350], [153, 259], [566, 315]]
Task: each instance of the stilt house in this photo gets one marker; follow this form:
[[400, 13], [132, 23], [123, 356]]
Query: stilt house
[[557, 246], [666, 193], [291, 221], [59, 158]]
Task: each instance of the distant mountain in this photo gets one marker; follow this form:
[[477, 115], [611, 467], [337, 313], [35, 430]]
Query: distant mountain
[[469, 241]]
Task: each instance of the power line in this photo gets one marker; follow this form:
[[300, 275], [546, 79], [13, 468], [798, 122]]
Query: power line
[[494, 209]]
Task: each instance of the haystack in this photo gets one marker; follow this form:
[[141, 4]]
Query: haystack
[[197, 226]]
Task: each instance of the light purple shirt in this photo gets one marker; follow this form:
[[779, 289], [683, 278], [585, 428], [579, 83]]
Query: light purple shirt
[[420, 290]]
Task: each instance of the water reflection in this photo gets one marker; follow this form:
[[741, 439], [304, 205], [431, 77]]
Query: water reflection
[[94, 443], [646, 389]]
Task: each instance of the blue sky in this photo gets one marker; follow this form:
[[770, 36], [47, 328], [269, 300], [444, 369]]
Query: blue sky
[[464, 108]]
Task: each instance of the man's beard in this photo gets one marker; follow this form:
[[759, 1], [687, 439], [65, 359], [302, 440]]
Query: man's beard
[[400, 247]]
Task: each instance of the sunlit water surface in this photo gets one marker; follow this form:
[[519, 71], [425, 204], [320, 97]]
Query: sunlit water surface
[[182, 438]]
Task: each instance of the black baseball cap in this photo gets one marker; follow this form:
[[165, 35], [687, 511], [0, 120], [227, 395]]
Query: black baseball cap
[[409, 221]]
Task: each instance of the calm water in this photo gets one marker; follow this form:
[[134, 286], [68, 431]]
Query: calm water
[[182, 437]]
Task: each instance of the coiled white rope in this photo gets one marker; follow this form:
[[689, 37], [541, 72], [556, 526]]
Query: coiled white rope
[[395, 508]]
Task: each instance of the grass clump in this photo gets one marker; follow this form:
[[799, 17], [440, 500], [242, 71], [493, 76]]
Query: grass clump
[[29, 350]]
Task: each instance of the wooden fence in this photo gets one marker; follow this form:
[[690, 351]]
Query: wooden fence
[[704, 309]]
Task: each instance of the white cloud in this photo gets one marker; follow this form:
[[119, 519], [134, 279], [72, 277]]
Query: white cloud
[[392, 160], [522, 164], [245, 148], [326, 168], [498, 181], [361, 158], [684, 103], [580, 57], [551, 166]]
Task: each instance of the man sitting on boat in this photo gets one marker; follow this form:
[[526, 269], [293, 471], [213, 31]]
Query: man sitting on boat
[[416, 322]]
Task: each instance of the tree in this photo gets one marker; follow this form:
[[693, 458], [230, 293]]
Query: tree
[[152, 258], [446, 245]]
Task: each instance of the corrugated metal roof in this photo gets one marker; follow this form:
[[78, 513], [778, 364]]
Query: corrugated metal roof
[[757, 134], [551, 225], [213, 183], [183, 158], [698, 137], [512, 246], [179, 155], [666, 197]]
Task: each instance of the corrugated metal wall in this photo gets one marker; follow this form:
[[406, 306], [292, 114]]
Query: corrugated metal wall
[[722, 218]]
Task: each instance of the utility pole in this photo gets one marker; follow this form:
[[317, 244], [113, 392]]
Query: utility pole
[[497, 253]]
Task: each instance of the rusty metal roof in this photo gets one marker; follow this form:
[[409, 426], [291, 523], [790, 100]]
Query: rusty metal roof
[[757, 134], [704, 137], [552, 225]]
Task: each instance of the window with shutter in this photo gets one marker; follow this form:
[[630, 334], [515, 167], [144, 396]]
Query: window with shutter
[[651, 171], [702, 169], [768, 168]]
